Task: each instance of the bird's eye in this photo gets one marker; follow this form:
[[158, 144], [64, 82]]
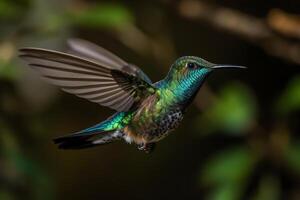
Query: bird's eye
[[192, 65]]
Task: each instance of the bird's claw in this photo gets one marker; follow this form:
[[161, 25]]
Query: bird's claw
[[147, 148]]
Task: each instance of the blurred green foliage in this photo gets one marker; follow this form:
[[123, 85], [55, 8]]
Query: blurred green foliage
[[233, 111], [289, 101], [292, 157], [8, 71], [268, 189], [230, 166], [103, 16], [228, 172], [8, 9], [20, 170]]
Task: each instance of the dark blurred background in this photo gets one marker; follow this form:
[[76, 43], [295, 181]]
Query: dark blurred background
[[239, 139]]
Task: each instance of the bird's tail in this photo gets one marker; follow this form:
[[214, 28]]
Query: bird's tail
[[80, 141], [99, 134]]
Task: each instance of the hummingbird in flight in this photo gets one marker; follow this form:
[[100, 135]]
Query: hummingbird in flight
[[146, 111]]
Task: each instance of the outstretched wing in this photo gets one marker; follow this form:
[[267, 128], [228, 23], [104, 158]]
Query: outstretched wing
[[91, 51], [100, 82]]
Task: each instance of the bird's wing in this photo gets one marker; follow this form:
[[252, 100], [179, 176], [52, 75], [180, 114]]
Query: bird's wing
[[100, 82], [91, 51]]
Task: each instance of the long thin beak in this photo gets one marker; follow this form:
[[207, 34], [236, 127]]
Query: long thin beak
[[228, 66]]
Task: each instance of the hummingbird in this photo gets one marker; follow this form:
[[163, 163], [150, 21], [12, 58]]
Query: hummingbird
[[146, 111]]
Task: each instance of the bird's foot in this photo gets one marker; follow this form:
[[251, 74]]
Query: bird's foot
[[147, 147]]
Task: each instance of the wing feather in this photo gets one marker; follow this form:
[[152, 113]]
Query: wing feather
[[94, 52], [101, 82]]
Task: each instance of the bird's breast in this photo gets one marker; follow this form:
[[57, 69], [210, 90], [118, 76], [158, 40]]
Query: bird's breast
[[169, 121], [152, 121]]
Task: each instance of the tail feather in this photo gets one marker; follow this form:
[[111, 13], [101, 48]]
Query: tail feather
[[102, 133], [80, 141]]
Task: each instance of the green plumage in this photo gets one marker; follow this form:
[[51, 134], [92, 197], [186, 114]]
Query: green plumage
[[146, 111]]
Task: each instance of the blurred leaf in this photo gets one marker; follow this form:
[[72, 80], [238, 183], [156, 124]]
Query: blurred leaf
[[7, 139], [8, 9], [53, 23], [8, 71], [290, 98], [229, 167], [225, 192], [36, 126], [292, 156], [5, 195], [233, 112], [43, 187], [269, 189], [18, 166], [104, 15]]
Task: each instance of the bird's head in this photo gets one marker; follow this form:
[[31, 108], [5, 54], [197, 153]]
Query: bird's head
[[188, 73], [194, 68]]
